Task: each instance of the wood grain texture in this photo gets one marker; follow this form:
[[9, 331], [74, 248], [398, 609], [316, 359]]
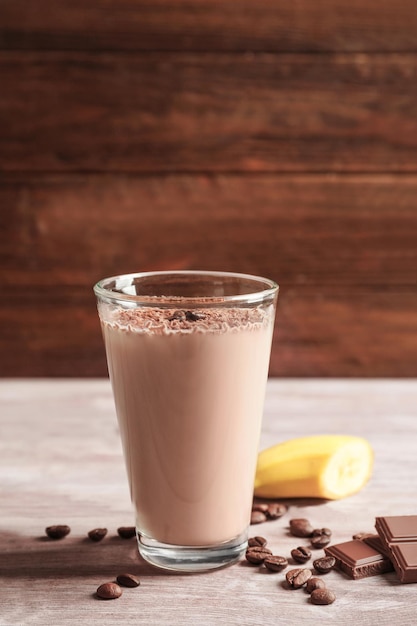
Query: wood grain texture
[[271, 138], [162, 113], [61, 462], [301, 230], [342, 249], [224, 25]]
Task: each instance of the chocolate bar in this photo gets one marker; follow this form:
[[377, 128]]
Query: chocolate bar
[[357, 559], [398, 534]]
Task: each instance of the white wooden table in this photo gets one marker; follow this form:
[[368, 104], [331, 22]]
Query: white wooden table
[[61, 462]]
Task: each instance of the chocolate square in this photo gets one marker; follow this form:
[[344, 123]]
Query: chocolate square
[[398, 534], [357, 559]]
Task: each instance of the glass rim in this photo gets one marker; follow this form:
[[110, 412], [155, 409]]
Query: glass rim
[[257, 295]]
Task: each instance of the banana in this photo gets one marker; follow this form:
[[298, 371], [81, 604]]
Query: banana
[[319, 466]]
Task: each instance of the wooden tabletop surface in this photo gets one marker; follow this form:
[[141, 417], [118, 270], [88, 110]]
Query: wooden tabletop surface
[[61, 463]]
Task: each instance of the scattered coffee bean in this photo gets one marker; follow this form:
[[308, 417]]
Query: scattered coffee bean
[[276, 510], [322, 596], [315, 583], [57, 532], [275, 563], [260, 506], [126, 532], [320, 537], [256, 556], [300, 527], [97, 534], [301, 554], [262, 511], [296, 578], [128, 580], [178, 315], [324, 564], [362, 536], [257, 517], [109, 591], [193, 316], [257, 542]]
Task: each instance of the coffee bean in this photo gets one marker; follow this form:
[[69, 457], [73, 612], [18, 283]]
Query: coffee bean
[[178, 315], [300, 527], [320, 537], [128, 580], [260, 506], [57, 532], [256, 556], [324, 564], [275, 563], [109, 591], [193, 316], [301, 554], [276, 510], [315, 583], [257, 542], [296, 578], [126, 532], [362, 536], [322, 596], [97, 534], [257, 517]]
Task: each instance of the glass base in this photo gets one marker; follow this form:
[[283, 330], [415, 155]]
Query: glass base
[[194, 558]]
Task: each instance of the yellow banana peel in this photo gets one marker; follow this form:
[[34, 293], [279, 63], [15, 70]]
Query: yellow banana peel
[[318, 466]]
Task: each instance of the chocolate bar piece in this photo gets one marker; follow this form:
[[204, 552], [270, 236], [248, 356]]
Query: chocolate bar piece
[[357, 559], [375, 542], [398, 534]]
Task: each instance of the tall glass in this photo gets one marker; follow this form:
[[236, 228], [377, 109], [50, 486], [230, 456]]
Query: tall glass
[[188, 355]]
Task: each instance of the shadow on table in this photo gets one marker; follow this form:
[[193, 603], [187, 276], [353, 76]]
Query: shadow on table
[[41, 557]]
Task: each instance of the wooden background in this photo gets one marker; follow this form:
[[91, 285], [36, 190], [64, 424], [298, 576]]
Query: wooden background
[[276, 138]]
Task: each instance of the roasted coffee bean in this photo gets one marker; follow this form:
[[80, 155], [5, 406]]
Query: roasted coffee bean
[[126, 532], [275, 563], [260, 506], [257, 542], [257, 517], [320, 537], [296, 578], [128, 580], [58, 532], [193, 316], [362, 536], [276, 510], [322, 596], [178, 315], [97, 534], [301, 527], [301, 554], [256, 556], [109, 591], [324, 564], [315, 583]]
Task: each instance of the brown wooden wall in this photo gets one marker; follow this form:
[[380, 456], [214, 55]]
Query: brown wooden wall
[[276, 138]]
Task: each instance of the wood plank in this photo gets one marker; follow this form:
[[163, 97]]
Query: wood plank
[[158, 112], [301, 230], [228, 25], [321, 331], [346, 332]]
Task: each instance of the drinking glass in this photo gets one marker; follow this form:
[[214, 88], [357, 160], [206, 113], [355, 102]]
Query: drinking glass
[[188, 355]]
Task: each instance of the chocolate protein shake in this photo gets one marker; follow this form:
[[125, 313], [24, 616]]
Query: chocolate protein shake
[[189, 388]]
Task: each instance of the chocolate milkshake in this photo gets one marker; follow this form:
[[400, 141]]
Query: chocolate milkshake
[[189, 386]]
